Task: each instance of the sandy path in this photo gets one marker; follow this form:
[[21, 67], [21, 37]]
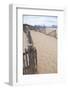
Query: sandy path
[[46, 52]]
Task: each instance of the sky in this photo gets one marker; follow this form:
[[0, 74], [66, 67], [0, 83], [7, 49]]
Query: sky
[[40, 20]]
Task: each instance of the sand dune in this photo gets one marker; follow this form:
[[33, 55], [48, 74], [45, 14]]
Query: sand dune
[[46, 52], [53, 34]]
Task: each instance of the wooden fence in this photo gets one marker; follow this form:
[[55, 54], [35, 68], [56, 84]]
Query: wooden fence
[[30, 57], [30, 61]]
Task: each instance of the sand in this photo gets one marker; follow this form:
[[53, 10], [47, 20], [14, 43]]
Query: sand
[[46, 52]]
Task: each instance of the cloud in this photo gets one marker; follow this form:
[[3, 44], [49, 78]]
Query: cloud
[[40, 20]]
